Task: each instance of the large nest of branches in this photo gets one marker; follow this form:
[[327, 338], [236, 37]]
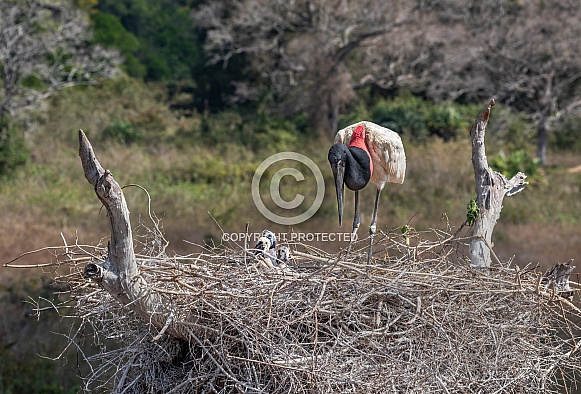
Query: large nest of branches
[[417, 319]]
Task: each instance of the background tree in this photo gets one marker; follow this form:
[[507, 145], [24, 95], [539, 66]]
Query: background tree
[[44, 47], [302, 50], [526, 56], [535, 64], [156, 37], [160, 44]]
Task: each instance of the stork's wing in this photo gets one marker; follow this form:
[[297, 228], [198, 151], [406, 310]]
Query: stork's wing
[[386, 150]]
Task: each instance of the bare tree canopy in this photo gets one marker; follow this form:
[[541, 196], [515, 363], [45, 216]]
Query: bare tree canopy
[[315, 53], [525, 54], [44, 47], [302, 47]]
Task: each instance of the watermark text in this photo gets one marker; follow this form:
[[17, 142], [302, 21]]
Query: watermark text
[[292, 237]]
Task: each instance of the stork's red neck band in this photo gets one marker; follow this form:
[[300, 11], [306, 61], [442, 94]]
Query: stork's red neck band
[[358, 140]]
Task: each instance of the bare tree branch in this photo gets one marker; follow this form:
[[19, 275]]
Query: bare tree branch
[[119, 274], [523, 53], [45, 48]]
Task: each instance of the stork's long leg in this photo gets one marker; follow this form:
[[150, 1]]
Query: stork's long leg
[[372, 227], [356, 221], [356, 214]]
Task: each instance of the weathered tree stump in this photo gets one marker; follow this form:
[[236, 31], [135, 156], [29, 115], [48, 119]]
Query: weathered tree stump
[[491, 188], [119, 274]]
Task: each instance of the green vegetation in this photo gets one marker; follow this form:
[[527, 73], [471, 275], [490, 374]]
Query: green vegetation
[[205, 162], [122, 131], [155, 37], [566, 137], [110, 32], [472, 212], [160, 43], [35, 376], [418, 118], [519, 160], [13, 150]]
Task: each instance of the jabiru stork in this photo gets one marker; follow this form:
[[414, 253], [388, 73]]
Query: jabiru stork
[[366, 152]]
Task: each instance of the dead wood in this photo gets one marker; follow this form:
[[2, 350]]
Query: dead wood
[[118, 274], [491, 188]]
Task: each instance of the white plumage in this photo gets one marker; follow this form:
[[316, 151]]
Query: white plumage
[[386, 149]]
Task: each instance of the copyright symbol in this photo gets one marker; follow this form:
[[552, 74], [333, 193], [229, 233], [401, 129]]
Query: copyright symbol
[[275, 188]]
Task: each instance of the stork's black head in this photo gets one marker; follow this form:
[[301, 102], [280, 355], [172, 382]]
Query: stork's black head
[[351, 167], [337, 159], [337, 154]]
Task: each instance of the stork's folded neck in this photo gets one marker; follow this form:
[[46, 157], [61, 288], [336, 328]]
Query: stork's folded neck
[[358, 141]]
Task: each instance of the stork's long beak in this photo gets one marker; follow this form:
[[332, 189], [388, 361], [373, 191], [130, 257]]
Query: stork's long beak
[[339, 175]]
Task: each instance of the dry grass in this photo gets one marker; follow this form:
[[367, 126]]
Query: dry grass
[[416, 320]]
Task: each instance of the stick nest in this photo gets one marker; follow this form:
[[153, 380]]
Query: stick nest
[[418, 319]]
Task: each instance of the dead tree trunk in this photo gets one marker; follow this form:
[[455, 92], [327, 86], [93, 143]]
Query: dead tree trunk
[[545, 104], [119, 274], [491, 187]]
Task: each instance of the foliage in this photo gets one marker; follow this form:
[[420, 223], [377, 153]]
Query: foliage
[[185, 159], [402, 115], [419, 118], [566, 137], [13, 150], [160, 43], [43, 51], [360, 110], [301, 52], [201, 159], [519, 160], [209, 169], [509, 129], [110, 32], [123, 110], [51, 43], [472, 212], [157, 38], [406, 229], [34, 376], [123, 131], [23, 338], [260, 132]]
